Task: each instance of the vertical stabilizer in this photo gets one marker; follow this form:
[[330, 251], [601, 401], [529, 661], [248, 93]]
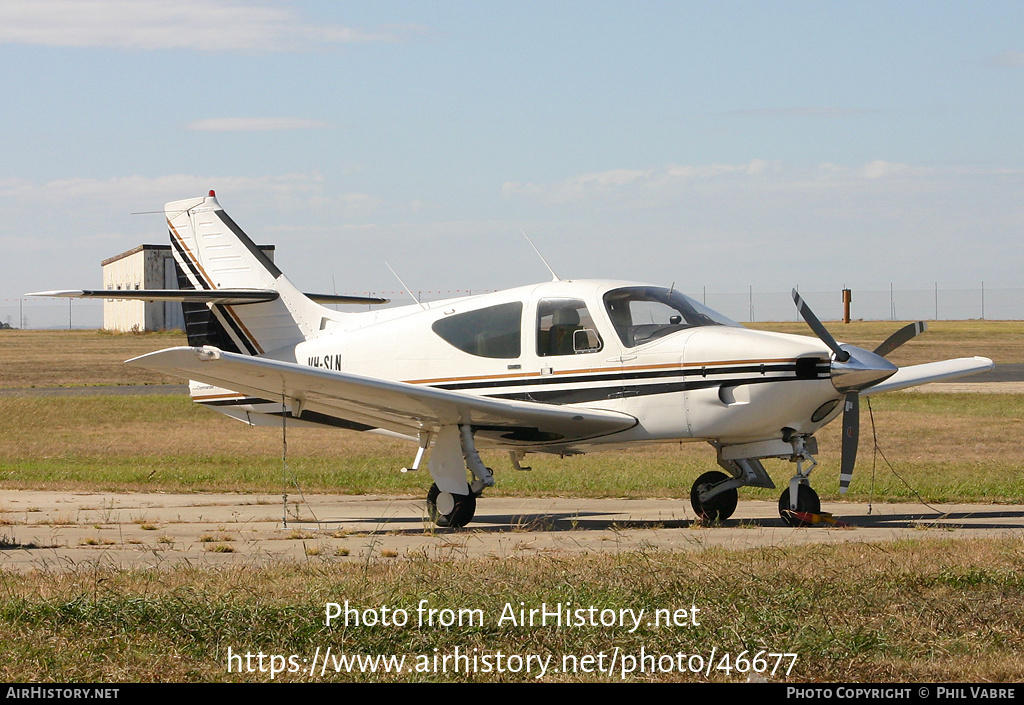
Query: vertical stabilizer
[[213, 253]]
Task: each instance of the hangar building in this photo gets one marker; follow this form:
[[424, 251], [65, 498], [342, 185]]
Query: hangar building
[[145, 267]]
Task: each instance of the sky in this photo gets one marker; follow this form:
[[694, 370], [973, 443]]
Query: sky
[[718, 145]]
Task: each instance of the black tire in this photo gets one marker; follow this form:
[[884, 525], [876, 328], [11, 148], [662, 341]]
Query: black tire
[[806, 501], [718, 508], [460, 515]]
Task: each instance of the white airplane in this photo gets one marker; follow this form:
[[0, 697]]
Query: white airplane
[[563, 367]]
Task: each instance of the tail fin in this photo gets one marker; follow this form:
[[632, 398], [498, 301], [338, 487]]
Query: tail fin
[[211, 252]]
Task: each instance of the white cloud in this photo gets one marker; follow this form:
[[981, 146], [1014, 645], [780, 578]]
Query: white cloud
[[203, 25], [254, 124], [879, 169], [706, 171], [619, 181]]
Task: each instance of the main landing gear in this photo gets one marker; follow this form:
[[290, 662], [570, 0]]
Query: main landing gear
[[710, 505], [450, 510], [454, 454]]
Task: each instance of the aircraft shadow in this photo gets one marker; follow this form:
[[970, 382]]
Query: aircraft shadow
[[601, 521], [951, 520]]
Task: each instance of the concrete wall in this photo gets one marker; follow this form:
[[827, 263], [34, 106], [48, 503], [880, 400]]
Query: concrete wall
[[141, 268]]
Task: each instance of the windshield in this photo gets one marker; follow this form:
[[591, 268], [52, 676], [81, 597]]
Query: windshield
[[643, 313]]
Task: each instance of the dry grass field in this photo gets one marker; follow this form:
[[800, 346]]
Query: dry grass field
[[78, 358], [909, 611], [928, 610]]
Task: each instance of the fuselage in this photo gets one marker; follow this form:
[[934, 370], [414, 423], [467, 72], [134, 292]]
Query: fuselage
[[683, 371]]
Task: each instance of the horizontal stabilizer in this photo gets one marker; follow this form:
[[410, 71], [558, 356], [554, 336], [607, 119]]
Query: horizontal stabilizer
[[913, 375], [226, 297], [395, 406]]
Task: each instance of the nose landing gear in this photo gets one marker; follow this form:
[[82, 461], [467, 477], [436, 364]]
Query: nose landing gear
[[807, 502], [799, 499]]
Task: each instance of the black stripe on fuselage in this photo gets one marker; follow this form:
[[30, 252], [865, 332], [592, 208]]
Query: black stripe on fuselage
[[702, 372], [579, 395]]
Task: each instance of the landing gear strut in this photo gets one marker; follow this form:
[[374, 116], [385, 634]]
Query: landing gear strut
[[799, 498], [718, 507], [451, 510]]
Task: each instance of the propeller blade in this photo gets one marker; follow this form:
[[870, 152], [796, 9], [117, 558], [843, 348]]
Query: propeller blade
[[851, 433], [818, 328], [901, 336]]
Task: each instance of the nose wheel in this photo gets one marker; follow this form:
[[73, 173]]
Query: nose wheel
[[450, 510], [717, 507], [807, 502]]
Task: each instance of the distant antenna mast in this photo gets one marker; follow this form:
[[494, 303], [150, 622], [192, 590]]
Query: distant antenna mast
[[404, 286], [554, 277]]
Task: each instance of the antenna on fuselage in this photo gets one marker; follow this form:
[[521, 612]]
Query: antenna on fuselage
[[405, 287], [554, 277]]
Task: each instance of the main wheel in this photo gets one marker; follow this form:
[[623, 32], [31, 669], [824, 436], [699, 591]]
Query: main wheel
[[806, 501], [447, 509], [719, 507]]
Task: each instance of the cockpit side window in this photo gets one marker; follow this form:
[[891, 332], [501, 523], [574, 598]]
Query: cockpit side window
[[640, 314], [565, 327], [487, 332]]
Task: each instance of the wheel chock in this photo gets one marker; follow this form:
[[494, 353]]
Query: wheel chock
[[819, 518]]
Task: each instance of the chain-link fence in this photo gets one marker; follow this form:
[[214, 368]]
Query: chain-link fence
[[931, 304], [745, 305], [37, 314]]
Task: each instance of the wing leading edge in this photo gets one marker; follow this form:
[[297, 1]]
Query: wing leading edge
[[913, 375], [395, 406]]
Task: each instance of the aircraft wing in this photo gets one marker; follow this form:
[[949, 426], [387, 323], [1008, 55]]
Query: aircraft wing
[[913, 375], [396, 406]]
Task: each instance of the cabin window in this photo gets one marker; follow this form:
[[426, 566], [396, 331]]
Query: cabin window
[[565, 327], [641, 314], [486, 332]]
